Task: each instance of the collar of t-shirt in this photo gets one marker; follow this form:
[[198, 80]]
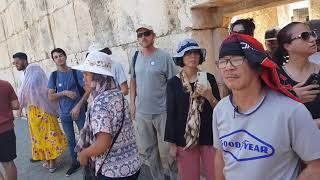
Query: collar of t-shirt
[[250, 111]]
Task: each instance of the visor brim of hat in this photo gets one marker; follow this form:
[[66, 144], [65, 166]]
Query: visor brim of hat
[[181, 54], [96, 70], [271, 39], [147, 28]]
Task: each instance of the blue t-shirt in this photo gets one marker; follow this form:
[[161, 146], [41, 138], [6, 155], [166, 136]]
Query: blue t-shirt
[[66, 81]]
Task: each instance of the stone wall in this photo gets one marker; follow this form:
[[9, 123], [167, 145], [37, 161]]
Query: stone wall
[[38, 26], [314, 12]]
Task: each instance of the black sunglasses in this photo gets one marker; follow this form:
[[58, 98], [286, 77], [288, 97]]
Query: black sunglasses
[[145, 34], [305, 36]]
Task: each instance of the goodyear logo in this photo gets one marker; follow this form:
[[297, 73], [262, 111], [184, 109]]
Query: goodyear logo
[[244, 146]]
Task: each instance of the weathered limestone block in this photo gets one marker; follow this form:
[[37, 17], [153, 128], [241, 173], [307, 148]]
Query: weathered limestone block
[[263, 19], [64, 29], [153, 12], [53, 5], [48, 66], [314, 11], [13, 21], [283, 15], [170, 43], [32, 10], [7, 74], [123, 17], [121, 56], [4, 4], [5, 60], [84, 24], [40, 39], [16, 43], [2, 31]]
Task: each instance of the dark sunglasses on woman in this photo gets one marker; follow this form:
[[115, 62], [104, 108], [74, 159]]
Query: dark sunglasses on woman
[[145, 34], [305, 36]]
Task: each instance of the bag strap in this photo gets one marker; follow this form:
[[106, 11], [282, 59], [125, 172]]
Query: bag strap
[[54, 79], [134, 60], [75, 77], [116, 136]]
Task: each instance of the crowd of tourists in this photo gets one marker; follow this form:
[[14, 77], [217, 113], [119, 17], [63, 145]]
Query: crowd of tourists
[[177, 119]]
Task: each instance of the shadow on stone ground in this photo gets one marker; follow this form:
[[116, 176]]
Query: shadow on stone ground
[[35, 171]]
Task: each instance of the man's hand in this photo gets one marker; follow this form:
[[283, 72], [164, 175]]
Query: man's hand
[[19, 113], [133, 111], [306, 93], [72, 95], [75, 112], [173, 151]]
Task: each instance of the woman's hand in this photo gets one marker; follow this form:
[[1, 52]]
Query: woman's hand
[[83, 158], [306, 93], [205, 91], [173, 151]]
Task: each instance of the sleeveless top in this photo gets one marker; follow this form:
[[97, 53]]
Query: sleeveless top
[[313, 106]]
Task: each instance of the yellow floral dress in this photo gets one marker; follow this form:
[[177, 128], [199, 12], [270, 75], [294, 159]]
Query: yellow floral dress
[[47, 138]]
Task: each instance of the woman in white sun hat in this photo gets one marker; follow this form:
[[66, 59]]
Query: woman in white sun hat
[[107, 138], [190, 102]]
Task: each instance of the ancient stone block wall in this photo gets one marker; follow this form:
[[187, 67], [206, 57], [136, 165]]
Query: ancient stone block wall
[[38, 26]]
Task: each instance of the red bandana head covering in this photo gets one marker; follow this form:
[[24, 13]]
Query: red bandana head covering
[[253, 51]]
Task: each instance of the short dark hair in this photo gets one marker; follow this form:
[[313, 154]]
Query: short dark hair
[[247, 24], [58, 50], [271, 33], [21, 55], [106, 50], [179, 60]]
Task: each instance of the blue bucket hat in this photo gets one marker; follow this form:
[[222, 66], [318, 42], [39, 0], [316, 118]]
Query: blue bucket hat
[[186, 45]]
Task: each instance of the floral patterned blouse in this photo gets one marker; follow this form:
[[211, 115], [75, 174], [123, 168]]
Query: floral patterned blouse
[[106, 116]]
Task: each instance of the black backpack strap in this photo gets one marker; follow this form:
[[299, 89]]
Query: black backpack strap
[[75, 77], [54, 79], [134, 60]]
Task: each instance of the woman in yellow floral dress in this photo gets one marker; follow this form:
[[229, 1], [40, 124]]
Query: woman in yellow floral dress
[[47, 138]]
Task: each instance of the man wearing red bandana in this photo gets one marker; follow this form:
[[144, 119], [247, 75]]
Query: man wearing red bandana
[[261, 130]]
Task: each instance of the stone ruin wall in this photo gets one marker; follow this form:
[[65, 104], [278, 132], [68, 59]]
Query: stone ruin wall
[[38, 26]]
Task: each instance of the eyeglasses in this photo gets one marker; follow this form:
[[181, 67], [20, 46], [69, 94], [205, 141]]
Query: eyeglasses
[[234, 61], [145, 34], [305, 36]]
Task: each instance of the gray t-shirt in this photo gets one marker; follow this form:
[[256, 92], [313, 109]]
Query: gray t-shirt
[[152, 74], [118, 72], [266, 142]]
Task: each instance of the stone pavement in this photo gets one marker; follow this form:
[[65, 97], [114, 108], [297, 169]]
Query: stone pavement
[[35, 171]]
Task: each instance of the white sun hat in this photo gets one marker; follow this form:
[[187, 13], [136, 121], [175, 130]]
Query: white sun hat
[[144, 26], [98, 63]]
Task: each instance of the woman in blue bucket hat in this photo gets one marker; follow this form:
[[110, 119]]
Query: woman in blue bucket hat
[[191, 97]]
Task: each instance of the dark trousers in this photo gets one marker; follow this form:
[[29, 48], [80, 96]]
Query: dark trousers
[[67, 125]]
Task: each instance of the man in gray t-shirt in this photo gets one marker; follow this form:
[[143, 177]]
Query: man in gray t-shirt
[[260, 133], [150, 72]]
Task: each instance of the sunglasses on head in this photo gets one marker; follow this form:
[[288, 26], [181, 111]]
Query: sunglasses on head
[[305, 36], [145, 34]]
